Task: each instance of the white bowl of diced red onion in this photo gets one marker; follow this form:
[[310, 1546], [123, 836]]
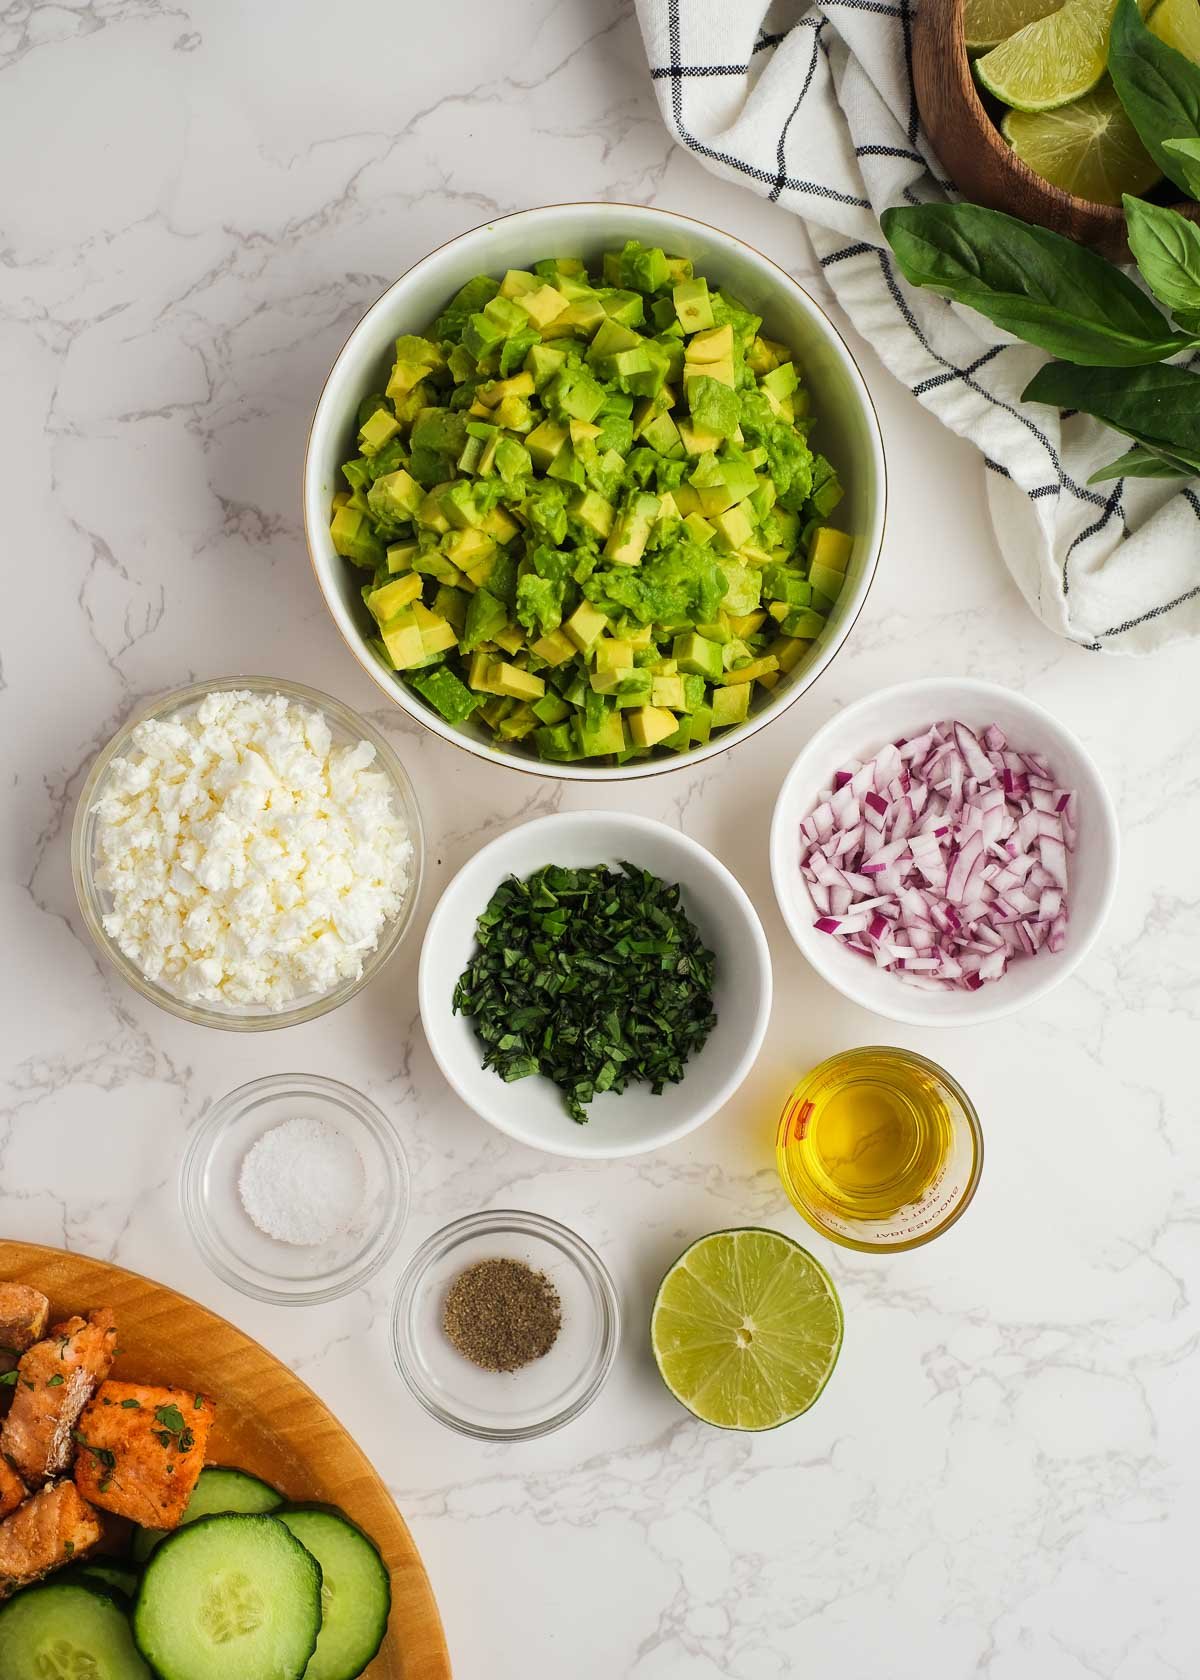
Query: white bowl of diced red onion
[[944, 852]]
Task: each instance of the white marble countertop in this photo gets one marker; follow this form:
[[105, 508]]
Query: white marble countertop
[[1002, 1477]]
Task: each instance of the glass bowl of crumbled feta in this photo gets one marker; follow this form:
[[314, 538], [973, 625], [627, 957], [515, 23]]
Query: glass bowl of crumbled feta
[[247, 852]]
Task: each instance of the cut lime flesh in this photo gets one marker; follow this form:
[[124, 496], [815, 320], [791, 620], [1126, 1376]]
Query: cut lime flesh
[[746, 1329], [1088, 148], [988, 22], [1048, 63], [1177, 22]]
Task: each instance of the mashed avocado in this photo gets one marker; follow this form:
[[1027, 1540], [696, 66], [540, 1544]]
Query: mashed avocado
[[589, 510]]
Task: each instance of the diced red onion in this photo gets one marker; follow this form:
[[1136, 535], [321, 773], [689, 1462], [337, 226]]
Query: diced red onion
[[943, 857]]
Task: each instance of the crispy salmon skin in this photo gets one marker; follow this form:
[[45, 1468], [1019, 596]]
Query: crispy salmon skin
[[141, 1449], [55, 1380], [51, 1528]]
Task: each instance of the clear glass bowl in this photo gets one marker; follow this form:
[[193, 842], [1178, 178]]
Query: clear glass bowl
[[346, 726], [542, 1396], [286, 1273]]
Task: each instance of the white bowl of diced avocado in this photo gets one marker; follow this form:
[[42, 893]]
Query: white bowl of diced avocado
[[595, 489]]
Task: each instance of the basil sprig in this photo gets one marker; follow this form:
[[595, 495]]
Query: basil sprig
[[1033, 283], [1166, 248], [1160, 90], [1158, 407]]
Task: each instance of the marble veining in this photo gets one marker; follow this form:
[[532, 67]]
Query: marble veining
[[1003, 1478]]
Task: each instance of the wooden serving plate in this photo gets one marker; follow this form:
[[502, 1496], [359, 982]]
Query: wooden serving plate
[[977, 157], [268, 1422]]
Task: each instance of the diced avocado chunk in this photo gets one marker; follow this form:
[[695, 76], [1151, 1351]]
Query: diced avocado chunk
[[518, 684], [378, 429], [650, 724], [393, 597], [555, 648], [734, 528], [730, 705], [751, 670], [825, 580], [713, 345], [594, 511], [668, 692], [445, 693], [404, 642], [551, 709], [698, 655], [585, 626], [693, 305], [831, 548], [606, 735], [353, 537], [804, 623]]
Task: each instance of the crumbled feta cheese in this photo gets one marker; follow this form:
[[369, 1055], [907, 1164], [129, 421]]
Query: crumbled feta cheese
[[249, 861]]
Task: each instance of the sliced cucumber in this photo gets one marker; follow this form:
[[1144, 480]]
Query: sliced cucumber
[[229, 1596], [356, 1590], [102, 1572], [217, 1492], [66, 1630]]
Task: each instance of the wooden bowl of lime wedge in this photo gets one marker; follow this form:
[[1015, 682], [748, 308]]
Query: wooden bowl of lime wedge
[[1017, 102]]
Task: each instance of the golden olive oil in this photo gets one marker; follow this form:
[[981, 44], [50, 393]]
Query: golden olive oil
[[877, 1147]]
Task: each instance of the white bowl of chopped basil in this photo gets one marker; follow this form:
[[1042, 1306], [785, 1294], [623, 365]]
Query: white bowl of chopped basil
[[593, 490], [582, 958]]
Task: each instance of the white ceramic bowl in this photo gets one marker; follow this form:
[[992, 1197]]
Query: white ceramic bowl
[[532, 1110], [847, 429], [858, 732]]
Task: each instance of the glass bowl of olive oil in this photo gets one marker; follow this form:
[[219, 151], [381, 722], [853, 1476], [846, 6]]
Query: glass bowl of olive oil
[[879, 1149]]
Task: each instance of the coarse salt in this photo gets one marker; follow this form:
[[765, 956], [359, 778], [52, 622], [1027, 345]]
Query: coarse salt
[[302, 1182], [248, 860]]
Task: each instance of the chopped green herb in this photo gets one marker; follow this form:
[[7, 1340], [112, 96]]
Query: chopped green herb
[[131, 1405], [591, 977], [171, 1419], [55, 1381], [8, 1379], [68, 1547], [102, 1455], [199, 1402]]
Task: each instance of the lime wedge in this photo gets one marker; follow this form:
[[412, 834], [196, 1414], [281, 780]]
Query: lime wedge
[[1088, 148], [746, 1329], [1177, 22], [1051, 62], [988, 22]]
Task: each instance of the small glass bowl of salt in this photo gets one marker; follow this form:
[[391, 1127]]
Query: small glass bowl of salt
[[295, 1188]]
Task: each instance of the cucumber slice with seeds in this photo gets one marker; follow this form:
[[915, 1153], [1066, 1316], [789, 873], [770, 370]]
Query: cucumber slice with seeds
[[217, 1492], [229, 1596], [67, 1630], [356, 1590]]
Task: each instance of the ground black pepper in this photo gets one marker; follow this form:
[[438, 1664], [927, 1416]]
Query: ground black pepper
[[501, 1314]]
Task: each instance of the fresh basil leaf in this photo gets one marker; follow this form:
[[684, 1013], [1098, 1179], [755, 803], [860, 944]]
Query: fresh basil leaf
[[1159, 88], [1140, 462], [1166, 248], [1188, 153], [1158, 407], [1043, 288]]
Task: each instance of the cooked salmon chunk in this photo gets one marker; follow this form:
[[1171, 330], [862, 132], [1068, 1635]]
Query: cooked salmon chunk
[[55, 1380], [24, 1314], [50, 1528], [12, 1488], [140, 1450]]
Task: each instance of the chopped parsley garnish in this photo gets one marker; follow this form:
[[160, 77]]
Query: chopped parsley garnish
[[593, 977], [56, 1381], [68, 1546], [102, 1455], [131, 1405], [174, 1430], [8, 1379]]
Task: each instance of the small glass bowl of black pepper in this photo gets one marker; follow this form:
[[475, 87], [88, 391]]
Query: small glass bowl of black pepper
[[458, 1319]]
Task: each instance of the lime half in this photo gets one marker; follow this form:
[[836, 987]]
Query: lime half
[[1177, 22], [1051, 62], [746, 1329], [988, 22], [1089, 148]]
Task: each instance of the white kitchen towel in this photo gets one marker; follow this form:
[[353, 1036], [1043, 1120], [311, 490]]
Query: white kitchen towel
[[813, 107]]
